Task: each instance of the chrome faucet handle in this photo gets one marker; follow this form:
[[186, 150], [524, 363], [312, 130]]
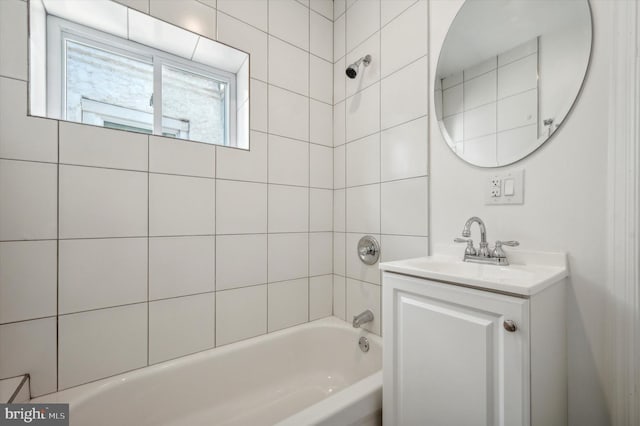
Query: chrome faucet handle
[[498, 252], [470, 249]]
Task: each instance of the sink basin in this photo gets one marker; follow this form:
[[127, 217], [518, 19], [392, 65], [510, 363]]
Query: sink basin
[[528, 273]]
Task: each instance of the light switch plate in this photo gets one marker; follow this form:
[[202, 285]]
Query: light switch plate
[[500, 184]]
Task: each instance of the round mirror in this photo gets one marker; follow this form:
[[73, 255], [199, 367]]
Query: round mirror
[[508, 74]]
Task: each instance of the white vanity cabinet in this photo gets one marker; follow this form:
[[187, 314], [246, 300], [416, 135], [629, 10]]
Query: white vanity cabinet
[[457, 355]]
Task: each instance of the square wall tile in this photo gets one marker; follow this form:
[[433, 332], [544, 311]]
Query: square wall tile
[[288, 161], [102, 203], [363, 19], [339, 246], [240, 164], [28, 271], [481, 151], [181, 326], [525, 49], [320, 210], [288, 256], [30, 347], [321, 79], [339, 7], [405, 207], [339, 210], [283, 72], [452, 100], [241, 207], [23, 137], [404, 150], [180, 205], [320, 297], [13, 39], [288, 304], [181, 157], [258, 106], [321, 36], [363, 209], [399, 247], [518, 110], [253, 12], [240, 314], [247, 38], [518, 76], [363, 112], [189, 14], [405, 39], [360, 297], [90, 344], [481, 68], [86, 145], [320, 253], [321, 172], [355, 267], [101, 273], [240, 261], [321, 124], [28, 191], [180, 266], [288, 209], [141, 5], [288, 114], [340, 296], [363, 161], [289, 20], [512, 143], [405, 94]]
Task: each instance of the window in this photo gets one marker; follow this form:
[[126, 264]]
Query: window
[[101, 79]]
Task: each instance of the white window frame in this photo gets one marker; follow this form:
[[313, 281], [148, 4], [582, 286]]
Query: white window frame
[[59, 31]]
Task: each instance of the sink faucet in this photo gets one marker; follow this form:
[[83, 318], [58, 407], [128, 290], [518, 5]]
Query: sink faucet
[[497, 256], [362, 318], [466, 232]]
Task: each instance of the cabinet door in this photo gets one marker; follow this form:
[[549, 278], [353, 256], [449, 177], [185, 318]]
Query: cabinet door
[[448, 359]]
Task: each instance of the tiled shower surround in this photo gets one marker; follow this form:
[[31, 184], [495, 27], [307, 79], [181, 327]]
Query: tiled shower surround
[[120, 250]]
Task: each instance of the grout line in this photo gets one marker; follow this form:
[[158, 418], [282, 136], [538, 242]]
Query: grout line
[[57, 262], [309, 176], [148, 249], [267, 155]]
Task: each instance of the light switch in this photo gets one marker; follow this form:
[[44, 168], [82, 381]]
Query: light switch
[[509, 187]]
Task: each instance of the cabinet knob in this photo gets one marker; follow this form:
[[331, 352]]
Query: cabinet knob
[[510, 326]]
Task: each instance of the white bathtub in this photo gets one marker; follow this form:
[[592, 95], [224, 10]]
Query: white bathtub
[[314, 373]]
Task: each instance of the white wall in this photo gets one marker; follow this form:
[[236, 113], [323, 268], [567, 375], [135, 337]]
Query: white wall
[[119, 250], [380, 139], [564, 209]]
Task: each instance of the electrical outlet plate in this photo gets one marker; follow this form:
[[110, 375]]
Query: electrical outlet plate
[[495, 193]]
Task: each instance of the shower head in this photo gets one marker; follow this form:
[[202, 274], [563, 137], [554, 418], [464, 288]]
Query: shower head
[[352, 70]]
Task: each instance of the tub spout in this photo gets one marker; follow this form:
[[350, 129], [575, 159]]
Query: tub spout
[[364, 317]]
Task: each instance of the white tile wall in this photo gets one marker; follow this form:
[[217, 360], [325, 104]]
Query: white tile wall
[[363, 19], [101, 343], [240, 261], [28, 194], [240, 314], [166, 238], [407, 30], [27, 280], [181, 326], [360, 297], [181, 205], [288, 161], [362, 161], [405, 94], [88, 146], [102, 203], [180, 266], [23, 137], [99, 273], [339, 296], [363, 113], [363, 209], [288, 303], [405, 207], [404, 151], [320, 297]]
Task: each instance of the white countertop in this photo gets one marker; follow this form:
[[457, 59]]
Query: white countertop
[[528, 273]]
